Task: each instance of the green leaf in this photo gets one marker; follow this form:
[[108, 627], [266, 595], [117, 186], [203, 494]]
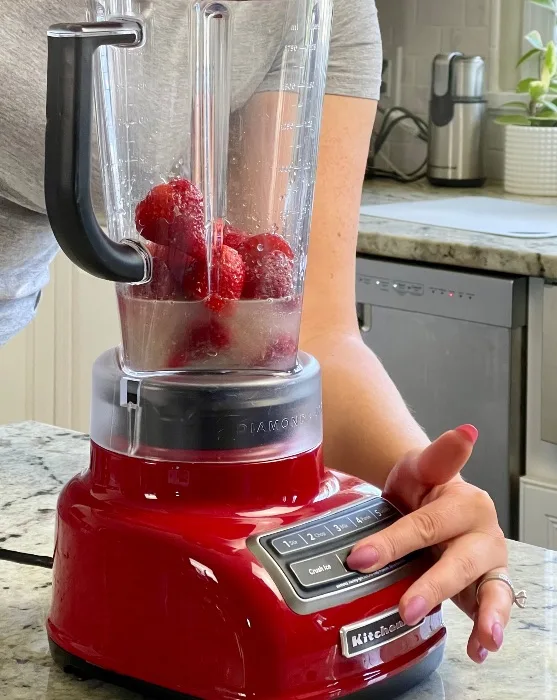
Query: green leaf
[[548, 4], [544, 119], [515, 119], [549, 105], [515, 105], [527, 56], [534, 38], [550, 62], [537, 89], [524, 85]]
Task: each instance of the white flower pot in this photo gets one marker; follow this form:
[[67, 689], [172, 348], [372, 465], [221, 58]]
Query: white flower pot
[[531, 160]]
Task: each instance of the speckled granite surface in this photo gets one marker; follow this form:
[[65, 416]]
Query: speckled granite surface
[[442, 246], [36, 459]]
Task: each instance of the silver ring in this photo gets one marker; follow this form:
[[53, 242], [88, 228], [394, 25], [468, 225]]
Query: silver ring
[[519, 599]]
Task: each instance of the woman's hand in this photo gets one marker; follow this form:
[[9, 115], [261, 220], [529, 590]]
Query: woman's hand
[[460, 522]]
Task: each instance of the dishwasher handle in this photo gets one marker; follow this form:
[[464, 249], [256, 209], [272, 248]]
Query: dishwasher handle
[[364, 317]]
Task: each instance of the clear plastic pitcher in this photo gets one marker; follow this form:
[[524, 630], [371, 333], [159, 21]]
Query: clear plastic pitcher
[[199, 203]]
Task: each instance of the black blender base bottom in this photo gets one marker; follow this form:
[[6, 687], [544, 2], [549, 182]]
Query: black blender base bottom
[[384, 690]]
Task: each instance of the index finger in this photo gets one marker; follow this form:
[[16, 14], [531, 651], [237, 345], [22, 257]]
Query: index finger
[[437, 522], [416, 474]]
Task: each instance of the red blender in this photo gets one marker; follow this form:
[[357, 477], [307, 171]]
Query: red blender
[[202, 553]]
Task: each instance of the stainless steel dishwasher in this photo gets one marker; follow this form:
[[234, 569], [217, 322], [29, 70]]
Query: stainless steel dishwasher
[[454, 342]]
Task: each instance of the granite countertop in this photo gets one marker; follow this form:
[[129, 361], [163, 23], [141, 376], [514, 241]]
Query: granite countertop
[[443, 246], [35, 460]]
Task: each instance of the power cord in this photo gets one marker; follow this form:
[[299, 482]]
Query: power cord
[[27, 559], [396, 116]]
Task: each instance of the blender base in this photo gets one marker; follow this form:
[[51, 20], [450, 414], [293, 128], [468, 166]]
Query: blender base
[[387, 689]]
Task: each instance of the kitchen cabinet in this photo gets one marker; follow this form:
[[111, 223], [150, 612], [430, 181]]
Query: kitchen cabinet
[[46, 370], [538, 513]]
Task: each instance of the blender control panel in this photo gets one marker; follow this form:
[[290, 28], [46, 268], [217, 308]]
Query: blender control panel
[[308, 561]]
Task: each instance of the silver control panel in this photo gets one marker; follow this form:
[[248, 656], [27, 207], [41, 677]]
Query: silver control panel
[[308, 561], [468, 296]]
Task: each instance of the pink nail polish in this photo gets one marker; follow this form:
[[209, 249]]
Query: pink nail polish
[[482, 654], [469, 432], [362, 558], [416, 610], [497, 635]]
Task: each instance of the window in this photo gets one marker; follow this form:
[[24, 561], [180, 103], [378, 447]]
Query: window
[[517, 18]]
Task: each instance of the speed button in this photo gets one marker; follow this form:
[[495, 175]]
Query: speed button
[[319, 570]]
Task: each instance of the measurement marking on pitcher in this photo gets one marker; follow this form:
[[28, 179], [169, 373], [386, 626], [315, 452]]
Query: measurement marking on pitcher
[[289, 126], [294, 168]]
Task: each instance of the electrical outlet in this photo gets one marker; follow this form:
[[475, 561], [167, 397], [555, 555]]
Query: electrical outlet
[[386, 77]]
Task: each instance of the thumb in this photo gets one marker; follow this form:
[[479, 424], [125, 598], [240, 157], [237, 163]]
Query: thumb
[[417, 473]]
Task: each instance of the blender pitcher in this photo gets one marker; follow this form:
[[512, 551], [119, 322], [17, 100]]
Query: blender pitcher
[[197, 201]]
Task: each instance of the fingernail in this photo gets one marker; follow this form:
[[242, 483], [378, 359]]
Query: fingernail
[[497, 635], [416, 610], [482, 654], [469, 432], [362, 558]]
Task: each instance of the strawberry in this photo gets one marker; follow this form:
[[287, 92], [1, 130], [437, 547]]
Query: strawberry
[[208, 338], [234, 237], [263, 243], [279, 349], [228, 273], [172, 214], [203, 339], [268, 276], [162, 285], [195, 285], [227, 278], [269, 266], [157, 251], [188, 238], [180, 265]]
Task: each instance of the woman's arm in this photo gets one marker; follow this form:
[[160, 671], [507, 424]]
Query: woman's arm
[[368, 428]]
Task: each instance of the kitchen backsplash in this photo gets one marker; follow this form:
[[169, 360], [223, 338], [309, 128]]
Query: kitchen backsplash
[[424, 28]]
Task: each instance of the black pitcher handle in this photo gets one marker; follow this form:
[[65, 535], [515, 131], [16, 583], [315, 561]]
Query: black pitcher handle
[[68, 150]]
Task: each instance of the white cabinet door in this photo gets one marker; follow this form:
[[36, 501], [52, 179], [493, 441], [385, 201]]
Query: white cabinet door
[[27, 368], [87, 324], [45, 371], [538, 513]]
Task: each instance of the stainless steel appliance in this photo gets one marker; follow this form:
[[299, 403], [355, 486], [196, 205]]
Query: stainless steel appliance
[[456, 121], [455, 343]]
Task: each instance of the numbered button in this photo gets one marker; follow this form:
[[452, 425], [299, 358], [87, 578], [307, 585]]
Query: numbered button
[[383, 510], [288, 543], [363, 518], [317, 534], [341, 526]]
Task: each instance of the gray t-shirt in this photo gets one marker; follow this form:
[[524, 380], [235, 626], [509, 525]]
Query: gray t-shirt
[[27, 246]]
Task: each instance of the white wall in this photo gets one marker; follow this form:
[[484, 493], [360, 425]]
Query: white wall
[[490, 28]]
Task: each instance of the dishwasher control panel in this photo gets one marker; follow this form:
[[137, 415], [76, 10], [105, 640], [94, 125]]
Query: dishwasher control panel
[[480, 298]]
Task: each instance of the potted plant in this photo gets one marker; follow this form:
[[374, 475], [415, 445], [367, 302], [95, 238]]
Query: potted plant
[[531, 132]]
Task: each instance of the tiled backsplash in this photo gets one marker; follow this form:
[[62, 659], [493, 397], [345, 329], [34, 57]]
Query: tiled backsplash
[[424, 28]]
